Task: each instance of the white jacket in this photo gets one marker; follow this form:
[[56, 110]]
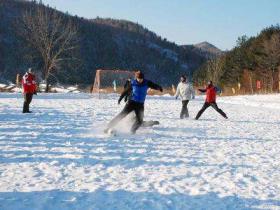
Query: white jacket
[[185, 91]]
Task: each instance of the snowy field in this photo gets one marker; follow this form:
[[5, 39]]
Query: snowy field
[[58, 157]]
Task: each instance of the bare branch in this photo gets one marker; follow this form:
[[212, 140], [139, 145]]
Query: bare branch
[[51, 34]]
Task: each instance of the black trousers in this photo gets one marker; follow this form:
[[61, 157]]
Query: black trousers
[[27, 101], [206, 105], [184, 111], [138, 108]]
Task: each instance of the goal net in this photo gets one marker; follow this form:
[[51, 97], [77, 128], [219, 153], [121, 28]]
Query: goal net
[[108, 81]]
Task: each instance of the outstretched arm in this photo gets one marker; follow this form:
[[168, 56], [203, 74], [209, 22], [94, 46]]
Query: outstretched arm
[[154, 86], [202, 90]]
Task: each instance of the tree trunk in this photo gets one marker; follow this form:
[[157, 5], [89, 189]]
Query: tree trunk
[[278, 79], [47, 81], [272, 83], [251, 83], [47, 86]]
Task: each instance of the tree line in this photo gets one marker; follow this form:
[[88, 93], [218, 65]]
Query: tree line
[[69, 49], [253, 60]]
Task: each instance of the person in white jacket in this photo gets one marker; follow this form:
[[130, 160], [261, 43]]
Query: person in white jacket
[[186, 92]]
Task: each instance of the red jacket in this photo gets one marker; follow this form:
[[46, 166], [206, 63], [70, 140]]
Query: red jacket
[[28, 83], [210, 93]]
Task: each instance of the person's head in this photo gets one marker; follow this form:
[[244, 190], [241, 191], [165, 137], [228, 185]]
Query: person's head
[[210, 83], [139, 76], [30, 71], [183, 78]]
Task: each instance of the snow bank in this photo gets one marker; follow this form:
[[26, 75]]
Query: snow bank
[[265, 101], [3, 85]]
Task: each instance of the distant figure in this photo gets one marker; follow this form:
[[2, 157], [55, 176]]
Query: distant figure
[[211, 91], [186, 92], [138, 88], [29, 88], [115, 85]]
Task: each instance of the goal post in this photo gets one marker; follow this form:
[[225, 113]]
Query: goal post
[[107, 81]]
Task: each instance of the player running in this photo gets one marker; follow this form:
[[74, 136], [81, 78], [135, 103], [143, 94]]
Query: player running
[[138, 88], [211, 92]]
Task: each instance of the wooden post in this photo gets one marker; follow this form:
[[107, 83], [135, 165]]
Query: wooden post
[[278, 79], [173, 89], [18, 80]]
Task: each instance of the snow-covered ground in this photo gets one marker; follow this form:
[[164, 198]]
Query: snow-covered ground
[[58, 158]]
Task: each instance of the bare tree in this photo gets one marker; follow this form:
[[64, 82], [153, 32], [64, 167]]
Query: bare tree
[[214, 69], [52, 35], [272, 56]]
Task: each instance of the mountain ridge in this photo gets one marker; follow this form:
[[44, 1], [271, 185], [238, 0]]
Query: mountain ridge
[[205, 49], [105, 43]]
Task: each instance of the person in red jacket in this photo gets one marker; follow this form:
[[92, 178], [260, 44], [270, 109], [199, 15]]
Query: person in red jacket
[[29, 88], [211, 92]]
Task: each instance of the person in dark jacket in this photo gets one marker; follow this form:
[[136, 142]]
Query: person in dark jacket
[[138, 88], [211, 92], [29, 88], [128, 94], [126, 98]]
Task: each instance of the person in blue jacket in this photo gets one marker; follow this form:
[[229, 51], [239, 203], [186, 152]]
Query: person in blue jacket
[[138, 88]]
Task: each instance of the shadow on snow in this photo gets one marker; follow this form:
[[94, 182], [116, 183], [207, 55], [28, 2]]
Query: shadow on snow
[[120, 199]]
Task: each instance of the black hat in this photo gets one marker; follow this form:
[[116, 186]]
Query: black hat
[[184, 78]]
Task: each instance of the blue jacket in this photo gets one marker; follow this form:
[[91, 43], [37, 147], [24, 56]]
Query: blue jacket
[[138, 91]]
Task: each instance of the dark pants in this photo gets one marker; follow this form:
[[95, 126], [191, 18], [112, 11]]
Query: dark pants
[[138, 108], [27, 101], [184, 111], [206, 105]]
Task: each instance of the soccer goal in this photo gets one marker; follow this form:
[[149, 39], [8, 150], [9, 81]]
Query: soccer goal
[[108, 81]]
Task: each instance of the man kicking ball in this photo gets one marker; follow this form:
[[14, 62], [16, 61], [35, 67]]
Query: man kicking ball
[[138, 88], [211, 92]]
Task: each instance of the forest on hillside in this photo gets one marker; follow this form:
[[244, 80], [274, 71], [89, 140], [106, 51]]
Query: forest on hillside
[[69, 49], [253, 65]]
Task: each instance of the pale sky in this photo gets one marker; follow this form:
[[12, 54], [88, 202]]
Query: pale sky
[[219, 22]]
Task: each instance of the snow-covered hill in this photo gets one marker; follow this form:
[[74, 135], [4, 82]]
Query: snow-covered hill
[[58, 157]]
